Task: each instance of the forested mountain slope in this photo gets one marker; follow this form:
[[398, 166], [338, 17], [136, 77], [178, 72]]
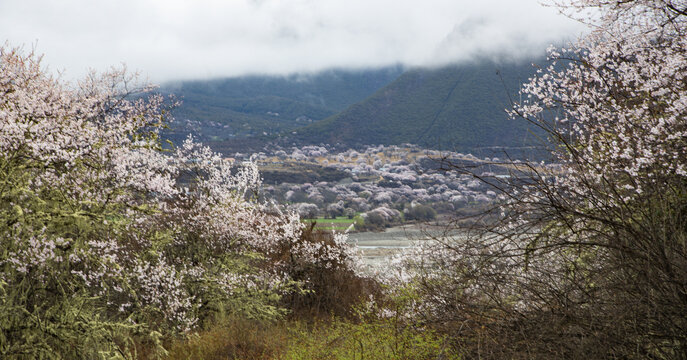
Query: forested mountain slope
[[459, 107], [256, 105]]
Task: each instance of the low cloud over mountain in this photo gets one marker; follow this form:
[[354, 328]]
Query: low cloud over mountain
[[177, 39]]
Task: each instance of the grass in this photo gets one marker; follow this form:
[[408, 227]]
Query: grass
[[233, 338], [373, 339], [341, 223], [301, 340], [339, 219], [341, 228]]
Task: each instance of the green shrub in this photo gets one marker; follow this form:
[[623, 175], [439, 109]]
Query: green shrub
[[332, 285], [420, 212], [374, 339]]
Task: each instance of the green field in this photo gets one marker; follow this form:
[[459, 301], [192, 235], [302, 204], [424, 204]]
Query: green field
[[338, 220], [341, 223]]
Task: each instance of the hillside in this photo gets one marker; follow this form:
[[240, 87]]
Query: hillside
[[259, 105], [458, 107]]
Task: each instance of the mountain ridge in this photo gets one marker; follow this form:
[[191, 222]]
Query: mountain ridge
[[460, 107], [256, 105]]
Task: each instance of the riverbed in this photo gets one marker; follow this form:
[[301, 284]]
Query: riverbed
[[377, 247]]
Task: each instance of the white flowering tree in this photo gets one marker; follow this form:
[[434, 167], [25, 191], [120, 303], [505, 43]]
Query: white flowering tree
[[586, 257], [107, 239]]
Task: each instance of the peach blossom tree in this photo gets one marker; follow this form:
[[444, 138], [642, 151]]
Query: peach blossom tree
[[584, 256], [107, 238]]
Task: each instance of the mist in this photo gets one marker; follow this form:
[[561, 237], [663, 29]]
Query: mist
[[178, 40]]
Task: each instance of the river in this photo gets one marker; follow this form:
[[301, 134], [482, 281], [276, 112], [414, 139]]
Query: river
[[376, 247]]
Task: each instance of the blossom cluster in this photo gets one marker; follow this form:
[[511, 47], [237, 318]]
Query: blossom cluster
[[617, 97], [95, 204]]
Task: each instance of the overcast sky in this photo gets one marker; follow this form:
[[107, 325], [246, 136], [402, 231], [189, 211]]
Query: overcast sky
[[184, 39]]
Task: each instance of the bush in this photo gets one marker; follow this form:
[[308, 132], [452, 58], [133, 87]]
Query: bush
[[375, 219], [380, 218], [331, 279], [110, 242], [420, 213], [372, 340], [387, 331]]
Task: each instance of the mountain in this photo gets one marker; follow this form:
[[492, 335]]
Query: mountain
[[258, 105], [459, 107]]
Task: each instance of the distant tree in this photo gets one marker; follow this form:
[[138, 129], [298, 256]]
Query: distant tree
[[374, 220], [420, 212], [306, 210], [335, 209], [349, 213]]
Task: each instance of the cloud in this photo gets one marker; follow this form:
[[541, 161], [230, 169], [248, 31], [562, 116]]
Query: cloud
[[182, 39]]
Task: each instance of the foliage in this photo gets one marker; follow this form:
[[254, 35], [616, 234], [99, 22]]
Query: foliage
[[367, 340], [333, 280], [373, 338], [420, 212], [381, 330], [341, 316], [110, 243], [379, 218]]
